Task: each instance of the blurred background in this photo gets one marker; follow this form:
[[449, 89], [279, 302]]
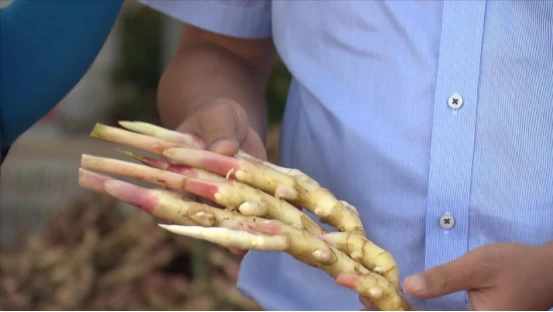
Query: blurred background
[[66, 248]]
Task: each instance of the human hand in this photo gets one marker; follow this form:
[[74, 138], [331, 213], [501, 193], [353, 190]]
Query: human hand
[[224, 127], [502, 276]]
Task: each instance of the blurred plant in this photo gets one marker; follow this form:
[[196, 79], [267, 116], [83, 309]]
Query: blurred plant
[[139, 71], [92, 256], [277, 92]]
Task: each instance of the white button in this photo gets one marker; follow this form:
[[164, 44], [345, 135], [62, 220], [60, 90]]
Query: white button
[[455, 101], [447, 221]]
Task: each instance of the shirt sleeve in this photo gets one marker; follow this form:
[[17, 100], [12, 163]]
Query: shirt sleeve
[[249, 19], [46, 48]]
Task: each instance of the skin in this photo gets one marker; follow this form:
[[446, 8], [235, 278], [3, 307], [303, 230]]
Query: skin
[[501, 276]]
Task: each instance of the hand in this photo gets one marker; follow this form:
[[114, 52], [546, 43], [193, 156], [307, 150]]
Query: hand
[[224, 126], [503, 276]]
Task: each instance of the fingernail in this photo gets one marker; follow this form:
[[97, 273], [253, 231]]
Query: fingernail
[[415, 283], [237, 251], [222, 146], [218, 144]]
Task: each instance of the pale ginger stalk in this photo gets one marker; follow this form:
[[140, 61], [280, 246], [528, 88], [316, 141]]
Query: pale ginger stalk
[[249, 201], [289, 184], [140, 141], [226, 193], [358, 247], [366, 252], [160, 132], [177, 168], [297, 188], [251, 233], [161, 204], [374, 257], [185, 139]]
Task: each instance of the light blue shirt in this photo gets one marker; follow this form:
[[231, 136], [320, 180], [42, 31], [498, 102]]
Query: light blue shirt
[[413, 111]]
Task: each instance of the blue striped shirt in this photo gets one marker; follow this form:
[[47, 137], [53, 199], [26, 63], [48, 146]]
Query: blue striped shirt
[[435, 119]]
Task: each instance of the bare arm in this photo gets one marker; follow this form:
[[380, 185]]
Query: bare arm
[[207, 67]]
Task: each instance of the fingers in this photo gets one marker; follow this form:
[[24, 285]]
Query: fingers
[[435, 282], [222, 124], [467, 272], [367, 304], [253, 144], [237, 251]]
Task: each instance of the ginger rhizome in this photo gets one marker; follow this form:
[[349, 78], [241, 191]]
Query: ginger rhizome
[[259, 205]]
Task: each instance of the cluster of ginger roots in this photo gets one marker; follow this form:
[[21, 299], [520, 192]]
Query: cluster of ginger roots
[[245, 203]]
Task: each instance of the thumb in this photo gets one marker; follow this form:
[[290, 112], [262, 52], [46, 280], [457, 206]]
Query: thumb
[[222, 124], [460, 274]]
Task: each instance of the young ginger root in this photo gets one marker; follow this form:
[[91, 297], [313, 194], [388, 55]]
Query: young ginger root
[[260, 205]]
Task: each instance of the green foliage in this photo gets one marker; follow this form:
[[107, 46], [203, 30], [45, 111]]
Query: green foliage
[[277, 91], [138, 71]]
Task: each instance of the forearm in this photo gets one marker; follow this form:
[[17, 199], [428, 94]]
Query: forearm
[[202, 73]]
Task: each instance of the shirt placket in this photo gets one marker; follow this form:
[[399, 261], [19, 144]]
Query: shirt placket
[[453, 135]]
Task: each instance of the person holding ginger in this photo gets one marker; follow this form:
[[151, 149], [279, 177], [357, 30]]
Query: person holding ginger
[[433, 118]]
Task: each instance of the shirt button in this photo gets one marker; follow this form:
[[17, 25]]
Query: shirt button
[[455, 101], [447, 221]]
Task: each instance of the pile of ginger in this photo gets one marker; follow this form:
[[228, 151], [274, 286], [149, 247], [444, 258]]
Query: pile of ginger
[[246, 203]]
